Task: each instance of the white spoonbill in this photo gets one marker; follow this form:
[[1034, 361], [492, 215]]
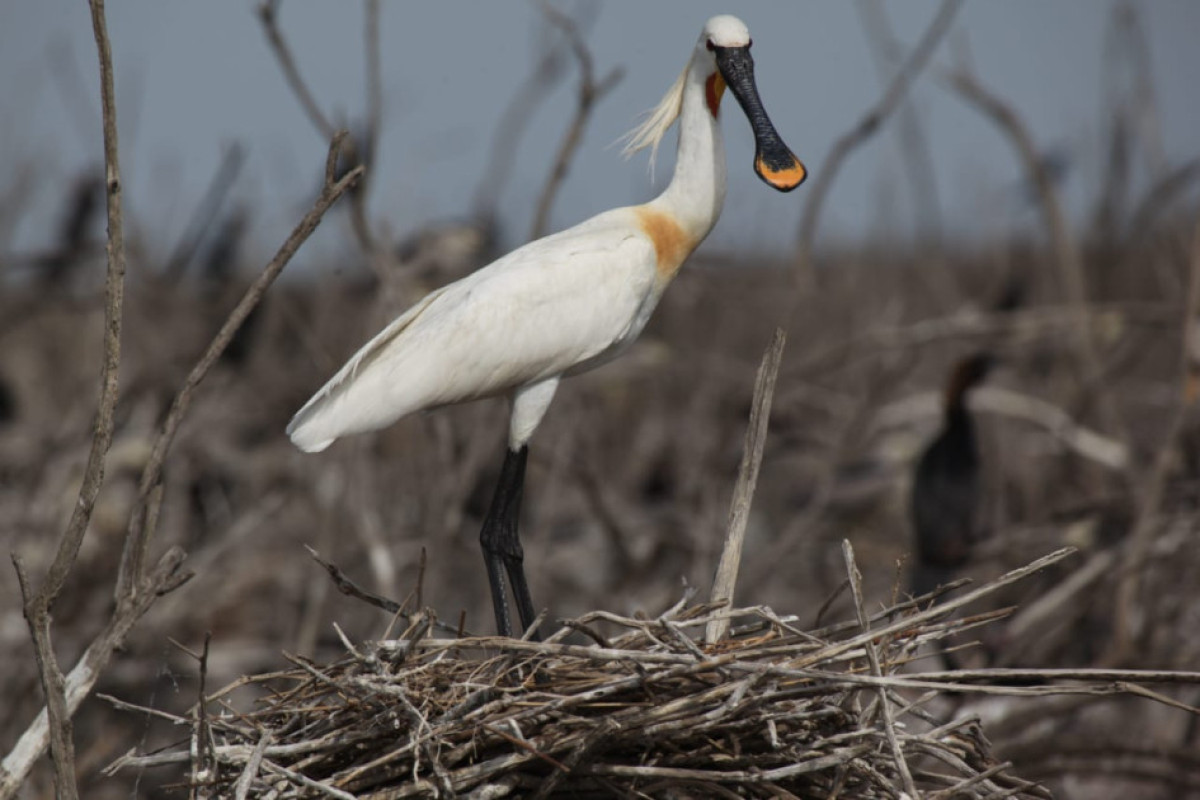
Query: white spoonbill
[[559, 305]]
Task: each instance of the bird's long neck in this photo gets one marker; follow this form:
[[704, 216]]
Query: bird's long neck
[[697, 189]]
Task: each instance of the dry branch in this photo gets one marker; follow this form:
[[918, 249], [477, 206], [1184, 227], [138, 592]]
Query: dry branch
[[589, 93], [885, 703], [862, 131], [915, 153], [38, 605], [1055, 421], [136, 587], [743, 493], [139, 533], [356, 154]]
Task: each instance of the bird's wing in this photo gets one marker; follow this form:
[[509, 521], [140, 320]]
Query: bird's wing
[[542, 309]]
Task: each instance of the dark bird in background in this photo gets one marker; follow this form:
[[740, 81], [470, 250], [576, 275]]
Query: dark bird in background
[[946, 487]]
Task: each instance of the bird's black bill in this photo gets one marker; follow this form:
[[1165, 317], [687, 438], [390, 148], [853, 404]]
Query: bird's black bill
[[773, 161]]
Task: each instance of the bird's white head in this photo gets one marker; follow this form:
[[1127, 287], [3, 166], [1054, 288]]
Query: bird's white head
[[722, 59], [724, 30]]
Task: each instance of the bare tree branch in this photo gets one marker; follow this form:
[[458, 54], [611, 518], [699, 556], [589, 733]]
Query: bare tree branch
[[866, 127], [138, 534], [268, 14], [166, 577], [590, 91], [137, 589], [356, 154], [915, 153], [37, 606]]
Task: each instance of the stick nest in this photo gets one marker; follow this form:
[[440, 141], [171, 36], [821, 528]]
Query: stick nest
[[644, 709]]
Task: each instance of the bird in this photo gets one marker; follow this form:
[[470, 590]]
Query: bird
[[946, 489], [559, 305]]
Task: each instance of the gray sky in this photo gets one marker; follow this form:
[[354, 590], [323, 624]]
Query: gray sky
[[193, 77]]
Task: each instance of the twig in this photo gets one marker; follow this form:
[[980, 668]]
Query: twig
[[915, 154], [578, 757], [1054, 605], [743, 493], [348, 587], [829, 601], [137, 536], [37, 606], [352, 589], [885, 704], [136, 588], [590, 92], [941, 609], [204, 764], [268, 14], [374, 77], [1080, 439], [252, 766], [862, 131], [165, 578], [304, 780]]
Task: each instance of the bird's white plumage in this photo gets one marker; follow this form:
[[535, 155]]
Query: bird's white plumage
[[726, 30], [556, 306], [559, 303]]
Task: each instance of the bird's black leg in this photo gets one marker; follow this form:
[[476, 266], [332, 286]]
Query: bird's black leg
[[502, 546]]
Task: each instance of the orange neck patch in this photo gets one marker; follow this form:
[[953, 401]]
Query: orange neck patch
[[672, 244], [714, 88]]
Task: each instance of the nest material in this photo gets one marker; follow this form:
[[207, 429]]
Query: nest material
[[647, 712]]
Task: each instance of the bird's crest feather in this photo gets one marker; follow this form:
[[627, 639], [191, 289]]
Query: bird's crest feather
[[658, 120]]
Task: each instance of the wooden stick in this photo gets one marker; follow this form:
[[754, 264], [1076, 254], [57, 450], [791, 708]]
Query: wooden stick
[[37, 606], [743, 493], [885, 705]]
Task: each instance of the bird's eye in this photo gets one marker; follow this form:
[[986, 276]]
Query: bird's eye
[[709, 44]]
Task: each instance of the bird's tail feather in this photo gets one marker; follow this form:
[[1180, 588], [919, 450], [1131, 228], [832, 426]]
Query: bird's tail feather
[[330, 413]]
